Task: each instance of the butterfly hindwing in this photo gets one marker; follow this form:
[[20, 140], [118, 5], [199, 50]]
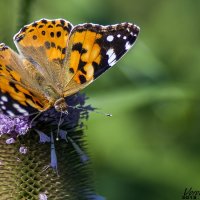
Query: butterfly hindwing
[[16, 82], [93, 49], [12, 107]]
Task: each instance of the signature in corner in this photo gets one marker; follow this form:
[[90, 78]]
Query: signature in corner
[[190, 194]]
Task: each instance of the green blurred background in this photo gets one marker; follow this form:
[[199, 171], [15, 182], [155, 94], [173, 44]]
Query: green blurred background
[[150, 148]]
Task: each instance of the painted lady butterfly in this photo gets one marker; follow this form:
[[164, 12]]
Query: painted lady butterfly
[[57, 60]]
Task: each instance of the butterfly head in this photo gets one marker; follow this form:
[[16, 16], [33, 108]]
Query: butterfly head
[[60, 105]]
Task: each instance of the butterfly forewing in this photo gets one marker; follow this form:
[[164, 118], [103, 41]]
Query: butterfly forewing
[[44, 43], [93, 49]]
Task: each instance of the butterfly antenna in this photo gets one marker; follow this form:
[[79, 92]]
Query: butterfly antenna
[[59, 123], [95, 111], [34, 118], [34, 113]]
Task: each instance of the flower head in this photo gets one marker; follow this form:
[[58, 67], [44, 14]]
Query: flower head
[[13, 126], [39, 152]]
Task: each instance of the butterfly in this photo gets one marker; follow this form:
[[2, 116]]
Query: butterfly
[[56, 60]]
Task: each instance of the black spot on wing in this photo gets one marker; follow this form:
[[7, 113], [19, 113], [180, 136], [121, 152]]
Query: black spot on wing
[[71, 70], [59, 48], [31, 30], [41, 26], [58, 34], [81, 66], [58, 25], [44, 21], [64, 51], [34, 24], [24, 29], [62, 22], [34, 37], [14, 87], [79, 47], [47, 45], [82, 79], [53, 45], [52, 34]]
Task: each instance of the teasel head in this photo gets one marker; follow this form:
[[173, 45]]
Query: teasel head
[[45, 157]]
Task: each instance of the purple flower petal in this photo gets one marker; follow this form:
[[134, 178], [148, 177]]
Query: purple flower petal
[[43, 137], [10, 141], [63, 134], [23, 150], [42, 196], [54, 162], [84, 158], [13, 125]]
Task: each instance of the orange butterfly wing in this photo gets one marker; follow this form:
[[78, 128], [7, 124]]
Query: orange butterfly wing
[[44, 43], [93, 49], [12, 80]]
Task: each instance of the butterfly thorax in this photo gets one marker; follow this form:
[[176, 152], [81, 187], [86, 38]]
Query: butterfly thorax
[[60, 105]]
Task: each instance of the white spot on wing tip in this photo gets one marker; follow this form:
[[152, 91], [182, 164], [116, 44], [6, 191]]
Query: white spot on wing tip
[[111, 57], [127, 45], [112, 63], [19, 108], [4, 98], [110, 38], [3, 107], [10, 113], [118, 35]]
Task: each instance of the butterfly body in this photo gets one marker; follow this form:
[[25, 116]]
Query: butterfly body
[[57, 59], [60, 105]]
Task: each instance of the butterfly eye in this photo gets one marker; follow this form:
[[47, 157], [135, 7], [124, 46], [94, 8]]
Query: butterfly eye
[[60, 105]]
